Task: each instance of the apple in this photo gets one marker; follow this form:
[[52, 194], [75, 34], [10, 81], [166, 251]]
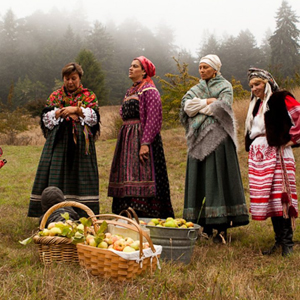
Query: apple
[[171, 223], [109, 240], [128, 241], [155, 221], [108, 235], [189, 224], [119, 245], [143, 222], [111, 247], [183, 226], [128, 249], [51, 225], [169, 219], [103, 245], [151, 223], [54, 231], [92, 242], [115, 238], [135, 245]]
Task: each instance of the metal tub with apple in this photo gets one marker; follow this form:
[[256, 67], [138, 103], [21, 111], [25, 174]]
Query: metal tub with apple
[[178, 243]]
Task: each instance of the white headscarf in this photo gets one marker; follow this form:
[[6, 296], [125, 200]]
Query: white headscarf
[[212, 60]]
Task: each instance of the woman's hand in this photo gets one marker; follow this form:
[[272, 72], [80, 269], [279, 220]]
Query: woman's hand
[[211, 100], [144, 153], [290, 143], [73, 112]]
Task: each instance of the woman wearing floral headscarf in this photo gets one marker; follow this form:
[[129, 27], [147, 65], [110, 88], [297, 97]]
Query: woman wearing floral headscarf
[[214, 194], [138, 177], [272, 127]]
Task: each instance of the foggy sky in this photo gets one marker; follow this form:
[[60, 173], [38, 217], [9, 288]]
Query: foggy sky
[[190, 20]]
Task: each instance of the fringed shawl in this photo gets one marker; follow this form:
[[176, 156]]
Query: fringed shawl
[[205, 133]]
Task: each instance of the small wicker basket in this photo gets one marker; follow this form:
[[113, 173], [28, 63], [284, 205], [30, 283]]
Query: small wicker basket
[[108, 264], [55, 248]]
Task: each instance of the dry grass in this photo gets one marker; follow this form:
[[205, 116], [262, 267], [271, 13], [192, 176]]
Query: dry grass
[[236, 270]]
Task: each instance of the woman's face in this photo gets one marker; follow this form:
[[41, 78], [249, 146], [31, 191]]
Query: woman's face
[[257, 88], [136, 73], [206, 71], [72, 82]]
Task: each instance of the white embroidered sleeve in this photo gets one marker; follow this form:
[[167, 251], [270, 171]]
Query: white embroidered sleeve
[[194, 106], [90, 117], [49, 119]]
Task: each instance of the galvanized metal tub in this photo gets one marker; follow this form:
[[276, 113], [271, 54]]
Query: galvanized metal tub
[[178, 243]]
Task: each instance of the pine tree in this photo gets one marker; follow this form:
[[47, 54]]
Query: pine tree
[[93, 77], [284, 42]]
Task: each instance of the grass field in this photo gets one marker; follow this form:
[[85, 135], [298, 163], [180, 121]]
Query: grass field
[[236, 270]]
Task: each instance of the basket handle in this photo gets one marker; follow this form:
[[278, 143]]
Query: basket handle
[[65, 204], [133, 226], [130, 212]]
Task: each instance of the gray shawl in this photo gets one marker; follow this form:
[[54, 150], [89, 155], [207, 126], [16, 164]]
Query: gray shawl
[[205, 133]]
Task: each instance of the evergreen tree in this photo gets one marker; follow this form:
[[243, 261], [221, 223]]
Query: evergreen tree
[[93, 77], [284, 42]]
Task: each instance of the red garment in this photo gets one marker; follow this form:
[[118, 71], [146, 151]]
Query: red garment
[[148, 67]]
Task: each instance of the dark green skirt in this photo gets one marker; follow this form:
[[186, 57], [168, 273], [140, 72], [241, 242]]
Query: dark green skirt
[[214, 193], [65, 165]]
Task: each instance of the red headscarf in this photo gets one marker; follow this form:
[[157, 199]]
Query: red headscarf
[[148, 66]]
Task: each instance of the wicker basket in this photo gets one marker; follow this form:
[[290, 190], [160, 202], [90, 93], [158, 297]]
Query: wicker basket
[[56, 248], [108, 264]]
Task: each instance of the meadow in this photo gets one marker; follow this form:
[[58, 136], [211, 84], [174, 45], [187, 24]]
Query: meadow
[[235, 270]]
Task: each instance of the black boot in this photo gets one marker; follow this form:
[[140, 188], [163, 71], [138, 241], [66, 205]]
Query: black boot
[[287, 238], [207, 230], [278, 229]]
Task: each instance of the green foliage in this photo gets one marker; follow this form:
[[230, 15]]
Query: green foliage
[[238, 91], [174, 88], [93, 77], [284, 42]]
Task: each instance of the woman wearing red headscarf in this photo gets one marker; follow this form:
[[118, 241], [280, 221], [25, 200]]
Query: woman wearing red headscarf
[[138, 177]]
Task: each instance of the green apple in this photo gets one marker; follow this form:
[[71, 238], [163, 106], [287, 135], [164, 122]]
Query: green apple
[[80, 227], [171, 223], [54, 231], [103, 245], [92, 242], [128, 249], [155, 221], [151, 223], [135, 245], [169, 219]]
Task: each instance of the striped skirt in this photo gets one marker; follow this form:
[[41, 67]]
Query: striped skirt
[[266, 179]]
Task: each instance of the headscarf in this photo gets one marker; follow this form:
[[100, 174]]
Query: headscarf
[[212, 60], [263, 74], [149, 68]]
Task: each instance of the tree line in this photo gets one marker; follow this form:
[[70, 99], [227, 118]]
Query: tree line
[[35, 48]]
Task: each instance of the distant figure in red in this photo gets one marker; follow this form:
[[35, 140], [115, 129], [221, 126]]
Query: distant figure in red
[[3, 161]]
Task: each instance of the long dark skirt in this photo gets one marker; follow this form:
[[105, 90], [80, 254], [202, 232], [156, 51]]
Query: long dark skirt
[[214, 193], [65, 165], [144, 187]]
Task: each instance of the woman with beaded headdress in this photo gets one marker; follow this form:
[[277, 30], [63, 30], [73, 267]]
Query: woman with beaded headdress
[[138, 176], [214, 194], [272, 127]]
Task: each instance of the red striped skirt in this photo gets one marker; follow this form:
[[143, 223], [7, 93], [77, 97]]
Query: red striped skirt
[[266, 179]]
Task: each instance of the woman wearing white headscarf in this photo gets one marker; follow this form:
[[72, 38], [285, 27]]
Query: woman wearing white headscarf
[[214, 194]]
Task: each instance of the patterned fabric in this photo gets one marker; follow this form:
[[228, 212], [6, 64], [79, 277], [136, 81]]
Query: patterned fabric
[[144, 187], [263, 74], [266, 179], [217, 87], [265, 171], [64, 162]]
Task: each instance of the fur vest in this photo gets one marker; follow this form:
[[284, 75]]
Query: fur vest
[[277, 121]]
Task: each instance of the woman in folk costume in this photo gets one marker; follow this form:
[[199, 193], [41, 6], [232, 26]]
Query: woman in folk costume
[[138, 177], [70, 123], [272, 127], [214, 194]]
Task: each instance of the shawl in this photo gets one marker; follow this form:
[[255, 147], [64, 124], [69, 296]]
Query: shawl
[[205, 133]]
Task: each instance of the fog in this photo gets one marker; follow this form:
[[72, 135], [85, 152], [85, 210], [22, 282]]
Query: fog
[[190, 20]]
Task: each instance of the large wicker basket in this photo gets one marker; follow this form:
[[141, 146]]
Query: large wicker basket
[[108, 264], [54, 248]]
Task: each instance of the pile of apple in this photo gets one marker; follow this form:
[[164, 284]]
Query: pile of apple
[[169, 222], [68, 229], [115, 242]]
